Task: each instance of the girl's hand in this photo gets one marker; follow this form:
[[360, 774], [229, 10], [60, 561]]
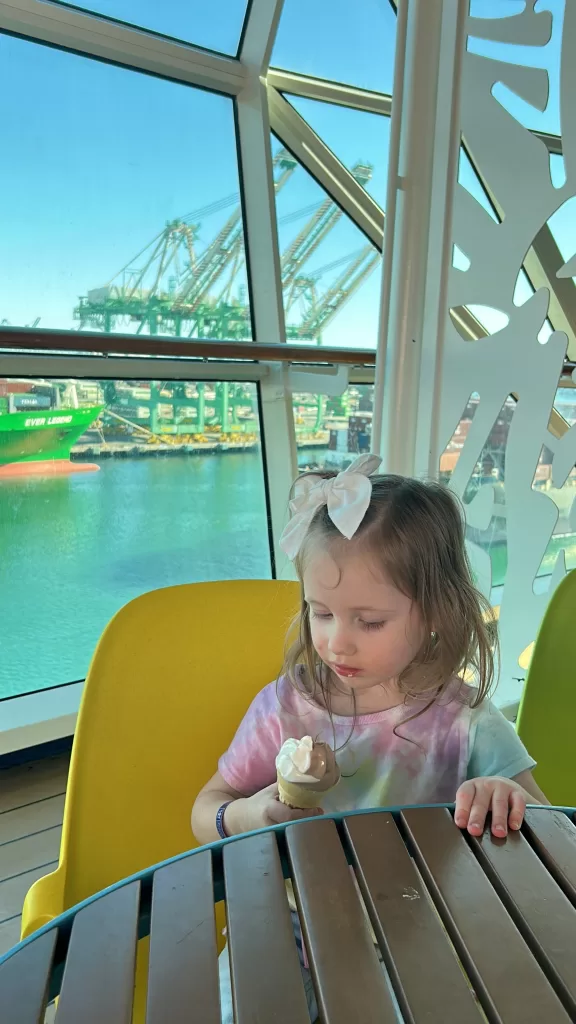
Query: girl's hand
[[503, 797], [260, 811]]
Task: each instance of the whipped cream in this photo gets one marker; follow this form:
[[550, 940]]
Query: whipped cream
[[294, 761]]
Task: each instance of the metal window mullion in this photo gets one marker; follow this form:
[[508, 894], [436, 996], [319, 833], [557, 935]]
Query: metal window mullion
[[330, 92], [263, 263], [330, 173], [343, 95], [94, 36], [553, 143]]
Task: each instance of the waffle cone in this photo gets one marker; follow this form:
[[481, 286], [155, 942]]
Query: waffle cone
[[297, 796]]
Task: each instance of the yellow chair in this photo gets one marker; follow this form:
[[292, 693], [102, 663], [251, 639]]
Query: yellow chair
[[170, 680], [547, 715]]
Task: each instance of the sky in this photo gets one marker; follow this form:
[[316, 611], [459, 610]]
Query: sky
[[100, 158]]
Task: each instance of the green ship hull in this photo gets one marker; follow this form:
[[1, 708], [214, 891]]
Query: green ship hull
[[38, 436]]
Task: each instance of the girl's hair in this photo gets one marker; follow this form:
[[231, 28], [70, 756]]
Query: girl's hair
[[415, 532]]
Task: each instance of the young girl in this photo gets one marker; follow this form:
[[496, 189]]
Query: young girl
[[390, 626]]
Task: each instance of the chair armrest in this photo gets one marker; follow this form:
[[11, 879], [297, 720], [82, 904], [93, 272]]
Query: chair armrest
[[44, 901]]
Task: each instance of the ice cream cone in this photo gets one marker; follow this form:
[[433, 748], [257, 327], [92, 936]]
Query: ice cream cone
[[294, 795], [306, 772]]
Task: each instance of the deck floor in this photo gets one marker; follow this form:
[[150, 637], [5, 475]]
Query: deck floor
[[31, 808]]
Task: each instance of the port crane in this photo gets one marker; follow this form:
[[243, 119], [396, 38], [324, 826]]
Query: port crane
[[318, 310], [170, 288]]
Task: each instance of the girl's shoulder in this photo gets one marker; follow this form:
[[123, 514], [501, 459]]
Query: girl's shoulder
[[291, 693], [459, 693], [282, 694]]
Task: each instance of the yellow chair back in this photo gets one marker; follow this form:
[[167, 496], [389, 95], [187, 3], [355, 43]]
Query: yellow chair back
[[171, 678], [547, 715]]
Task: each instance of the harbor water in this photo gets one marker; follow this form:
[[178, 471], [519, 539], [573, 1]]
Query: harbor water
[[74, 549]]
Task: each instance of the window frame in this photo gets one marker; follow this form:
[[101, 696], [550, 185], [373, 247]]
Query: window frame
[[257, 93], [43, 715]]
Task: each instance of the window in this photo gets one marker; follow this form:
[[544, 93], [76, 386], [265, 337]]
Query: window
[[327, 40], [116, 216], [349, 133], [489, 469], [564, 534], [332, 430], [112, 488], [330, 271], [565, 404], [216, 26], [561, 225], [490, 319], [557, 170]]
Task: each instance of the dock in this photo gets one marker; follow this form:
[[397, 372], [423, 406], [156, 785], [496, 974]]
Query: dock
[[138, 450], [133, 450]]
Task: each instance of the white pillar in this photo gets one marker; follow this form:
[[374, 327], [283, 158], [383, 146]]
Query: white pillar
[[424, 148]]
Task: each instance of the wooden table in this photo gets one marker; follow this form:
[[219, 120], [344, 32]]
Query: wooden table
[[468, 929]]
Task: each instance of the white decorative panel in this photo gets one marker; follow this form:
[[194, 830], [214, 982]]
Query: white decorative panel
[[511, 515]]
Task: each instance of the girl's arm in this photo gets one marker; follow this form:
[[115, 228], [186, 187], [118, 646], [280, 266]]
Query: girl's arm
[[244, 814], [505, 799], [206, 806]]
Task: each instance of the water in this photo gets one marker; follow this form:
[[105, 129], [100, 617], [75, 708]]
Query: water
[[74, 549]]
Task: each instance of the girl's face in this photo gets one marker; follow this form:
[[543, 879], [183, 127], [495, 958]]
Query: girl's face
[[364, 628]]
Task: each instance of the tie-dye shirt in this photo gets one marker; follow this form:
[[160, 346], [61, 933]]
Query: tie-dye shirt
[[387, 761]]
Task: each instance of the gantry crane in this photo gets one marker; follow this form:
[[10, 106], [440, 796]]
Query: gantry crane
[[169, 288], [227, 247], [172, 286], [322, 309], [226, 406], [313, 234]]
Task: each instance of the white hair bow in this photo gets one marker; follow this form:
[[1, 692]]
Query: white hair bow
[[347, 497]]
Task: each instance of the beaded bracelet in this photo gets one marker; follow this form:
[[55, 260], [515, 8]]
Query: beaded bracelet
[[220, 820]]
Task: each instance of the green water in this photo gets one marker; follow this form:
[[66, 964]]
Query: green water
[[74, 549]]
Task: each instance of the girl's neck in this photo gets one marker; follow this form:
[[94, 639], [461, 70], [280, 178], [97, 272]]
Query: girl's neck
[[347, 702]]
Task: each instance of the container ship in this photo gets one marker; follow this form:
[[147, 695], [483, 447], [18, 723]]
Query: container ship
[[40, 421]]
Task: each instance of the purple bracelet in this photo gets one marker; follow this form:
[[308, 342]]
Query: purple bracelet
[[220, 820]]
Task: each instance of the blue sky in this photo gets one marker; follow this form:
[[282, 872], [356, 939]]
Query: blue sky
[[101, 157]]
